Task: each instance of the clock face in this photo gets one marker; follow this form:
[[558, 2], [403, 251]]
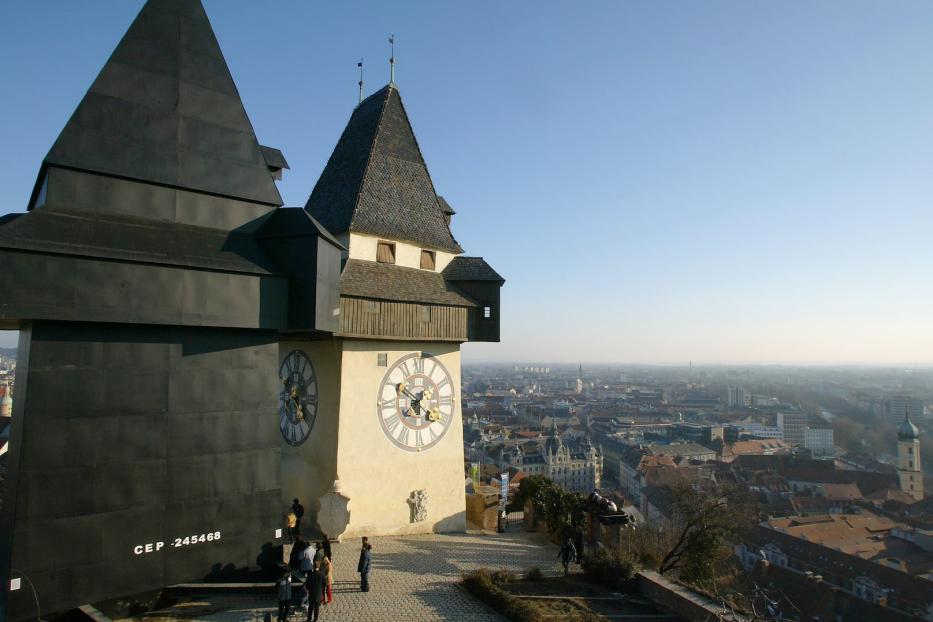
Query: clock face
[[415, 402], [298, 397]]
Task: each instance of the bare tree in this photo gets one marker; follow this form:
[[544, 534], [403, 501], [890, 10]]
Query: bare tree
[[702, 520]]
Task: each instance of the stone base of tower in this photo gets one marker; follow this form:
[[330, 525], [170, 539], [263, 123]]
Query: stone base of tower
[[391, 491], [378, 477]]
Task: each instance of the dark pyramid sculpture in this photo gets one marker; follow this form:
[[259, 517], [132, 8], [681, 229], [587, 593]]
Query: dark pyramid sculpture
[[376, 181], [151, 279], [164, 109]]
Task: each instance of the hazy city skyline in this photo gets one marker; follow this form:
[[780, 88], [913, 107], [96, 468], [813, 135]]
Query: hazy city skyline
[[719, 183]]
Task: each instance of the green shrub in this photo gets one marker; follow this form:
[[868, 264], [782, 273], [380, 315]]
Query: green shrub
[[609, 568], [480, 583], [534, 574], [503, 577], [479, 578]]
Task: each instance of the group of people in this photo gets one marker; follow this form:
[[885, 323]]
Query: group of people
[[315, 563]]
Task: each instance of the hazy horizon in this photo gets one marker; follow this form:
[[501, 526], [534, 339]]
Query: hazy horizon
[[725, 182], [8, 340]]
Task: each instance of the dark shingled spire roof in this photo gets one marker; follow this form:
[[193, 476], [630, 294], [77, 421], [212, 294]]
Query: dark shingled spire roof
[[376, 181], [164, 109], [445, 206], [471, 269]]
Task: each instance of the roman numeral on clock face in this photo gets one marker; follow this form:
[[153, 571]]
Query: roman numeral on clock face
[[392, 422]]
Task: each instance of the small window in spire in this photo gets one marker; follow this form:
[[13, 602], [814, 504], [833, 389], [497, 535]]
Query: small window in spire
[[427, 260], [385, 252]]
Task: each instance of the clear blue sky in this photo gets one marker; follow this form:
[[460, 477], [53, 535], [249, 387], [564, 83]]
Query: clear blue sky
[[658, 181]]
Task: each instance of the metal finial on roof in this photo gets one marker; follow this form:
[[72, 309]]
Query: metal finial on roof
[[392, 60], [360, 65]]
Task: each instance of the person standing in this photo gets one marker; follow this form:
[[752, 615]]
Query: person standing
[[284, 586], [578, 547], [327, 550], [298, 510], [290, 521], [306, 558], [567, 554], [327, 569], [314, 586], [364, 564]]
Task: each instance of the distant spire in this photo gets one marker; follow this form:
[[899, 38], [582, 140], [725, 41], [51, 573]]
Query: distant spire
[[392, 60], [360, 65]]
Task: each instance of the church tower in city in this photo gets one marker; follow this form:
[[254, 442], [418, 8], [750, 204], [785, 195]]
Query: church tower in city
[[909, 471], [386, 453]]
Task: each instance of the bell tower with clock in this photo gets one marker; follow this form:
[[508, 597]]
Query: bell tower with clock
[[386, 428]]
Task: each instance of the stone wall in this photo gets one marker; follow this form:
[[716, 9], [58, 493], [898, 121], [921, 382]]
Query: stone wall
[[680, 600], [482, 510]]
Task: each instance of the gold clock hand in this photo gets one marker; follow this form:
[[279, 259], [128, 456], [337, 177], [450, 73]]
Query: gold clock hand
[[403, 388]]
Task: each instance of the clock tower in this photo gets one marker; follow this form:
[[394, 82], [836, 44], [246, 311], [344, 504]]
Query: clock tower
[[388, 430], [909, 472]]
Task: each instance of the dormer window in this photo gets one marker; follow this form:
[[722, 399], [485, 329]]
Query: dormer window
[[385, 252], [427, 260]]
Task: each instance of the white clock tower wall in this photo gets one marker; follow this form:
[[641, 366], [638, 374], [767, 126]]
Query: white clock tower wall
[[378, 476], [308, 470], [407, 254]]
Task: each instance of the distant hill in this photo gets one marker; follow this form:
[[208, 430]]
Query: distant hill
[[10, 352]]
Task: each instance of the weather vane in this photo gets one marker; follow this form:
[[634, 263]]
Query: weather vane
[[360, 65], [392, 60]]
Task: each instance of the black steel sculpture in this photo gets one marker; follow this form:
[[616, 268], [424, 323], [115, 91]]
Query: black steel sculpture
[[150, 278]]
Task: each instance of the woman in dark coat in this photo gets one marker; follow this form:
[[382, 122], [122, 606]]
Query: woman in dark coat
[[327, 552], [363, 566]]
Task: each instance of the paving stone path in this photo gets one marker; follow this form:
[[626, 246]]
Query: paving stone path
[[414, 578]]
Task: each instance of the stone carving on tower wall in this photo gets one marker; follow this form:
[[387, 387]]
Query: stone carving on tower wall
[[334, 515], [418, 501]]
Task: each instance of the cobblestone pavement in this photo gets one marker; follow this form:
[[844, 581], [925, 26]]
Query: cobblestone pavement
[[413, 579]]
